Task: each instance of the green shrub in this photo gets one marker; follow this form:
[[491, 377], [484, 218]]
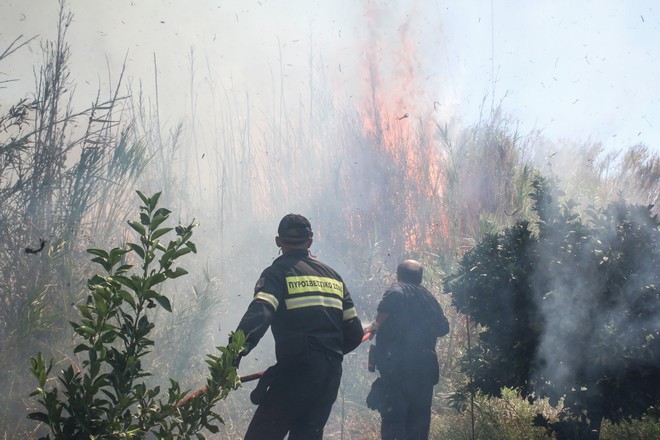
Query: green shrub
[[107, 397], [646, 427], [509, 417]]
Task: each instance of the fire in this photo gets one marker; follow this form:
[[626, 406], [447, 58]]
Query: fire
[[397, 129]]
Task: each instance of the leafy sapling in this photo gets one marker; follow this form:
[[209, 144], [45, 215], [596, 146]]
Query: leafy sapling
[[106, 397]]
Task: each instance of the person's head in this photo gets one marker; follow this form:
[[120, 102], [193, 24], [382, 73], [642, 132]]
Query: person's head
[[410, 272], [293, 233]]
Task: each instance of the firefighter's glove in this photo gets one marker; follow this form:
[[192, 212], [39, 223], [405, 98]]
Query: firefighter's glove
[[241, 354], [258, 395], [237, 360]]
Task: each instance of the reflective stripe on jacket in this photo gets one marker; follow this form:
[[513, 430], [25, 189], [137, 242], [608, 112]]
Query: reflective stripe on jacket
[[308, 306]]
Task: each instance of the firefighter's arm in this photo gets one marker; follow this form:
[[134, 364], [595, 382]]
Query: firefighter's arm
[[255, 322], [391, 302], [352, 331], [373, 327], [261, 311]]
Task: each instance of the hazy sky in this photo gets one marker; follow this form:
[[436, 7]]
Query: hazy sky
[[581, 70]]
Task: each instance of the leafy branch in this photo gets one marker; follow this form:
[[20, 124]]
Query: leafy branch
[[107, 397]]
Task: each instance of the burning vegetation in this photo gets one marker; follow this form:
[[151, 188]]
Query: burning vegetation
[[550, 301]]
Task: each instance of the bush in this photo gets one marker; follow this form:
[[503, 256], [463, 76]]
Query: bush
[[107, 398], [507, 418]]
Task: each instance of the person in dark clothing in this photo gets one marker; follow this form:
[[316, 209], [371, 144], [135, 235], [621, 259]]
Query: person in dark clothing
[[314, 324], [407, 326]]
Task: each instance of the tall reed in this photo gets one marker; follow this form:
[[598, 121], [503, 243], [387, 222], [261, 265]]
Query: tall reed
[[64, 175]]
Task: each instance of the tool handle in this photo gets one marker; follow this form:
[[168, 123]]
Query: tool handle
[[243, 379], [191, 396], [251, 377]]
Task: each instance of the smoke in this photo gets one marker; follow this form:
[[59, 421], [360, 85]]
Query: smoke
[[596, 283], [581, 83], [254, 109]]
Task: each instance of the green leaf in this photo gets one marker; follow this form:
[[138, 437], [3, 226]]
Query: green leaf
[[144, 198], [153, 201], [108, 337], [103, 262], [176, 273], [81, 347], [163, 211], [116, 254], [137, 249], [83, 330], [181, 252], [38, 416], [153, 392], [164, 302], [166, 258], [144, 219], [126, 296], [160, 232], [101, 305], [155, 279], [123, 268], [100, 252], [96, 280], [84, 311], [139, 228], [128, 282]]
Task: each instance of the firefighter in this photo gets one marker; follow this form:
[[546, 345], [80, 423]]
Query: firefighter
[[408, 324], [314, 323]]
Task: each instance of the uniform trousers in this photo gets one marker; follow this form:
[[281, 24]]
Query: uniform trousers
[[406, 413], [299, 399]]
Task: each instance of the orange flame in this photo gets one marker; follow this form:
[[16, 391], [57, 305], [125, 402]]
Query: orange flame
[[397, 128]]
